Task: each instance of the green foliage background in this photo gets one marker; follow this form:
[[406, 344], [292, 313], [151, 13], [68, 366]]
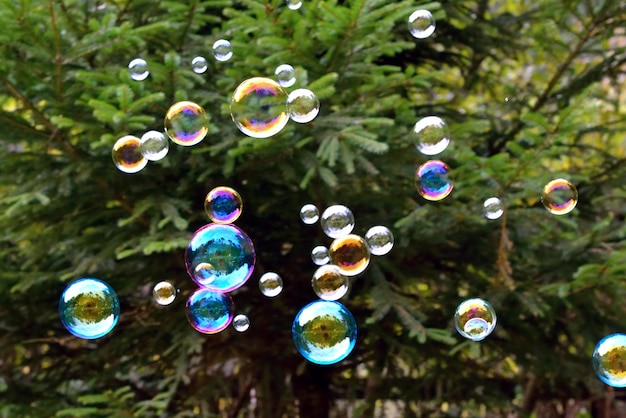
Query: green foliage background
[[531, 90]]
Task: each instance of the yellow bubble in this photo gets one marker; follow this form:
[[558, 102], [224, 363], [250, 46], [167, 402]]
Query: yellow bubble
[[350, 253], [328, 283], [259, 107], [127, 155], [559, 197], [186, 123]]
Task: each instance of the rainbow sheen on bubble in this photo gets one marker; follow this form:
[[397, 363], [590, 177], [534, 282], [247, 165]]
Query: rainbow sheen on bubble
[[609, 360], [209, 312], [138, 69], [229, 252], [89, 308], [431, 180], [328, 283], [223, 205], [154, 145], [259, 107], [222, 50], [127, 156], [241, 323], [493, 208], [431, 135], [320, 255], [324, 332], [309, 214], [186, 123], [559, 197], [302, 105], [337, 220], [379, 240], [350, 253], [421, 24], [475, 319], [285, 75], [270, 284], [164, 293]]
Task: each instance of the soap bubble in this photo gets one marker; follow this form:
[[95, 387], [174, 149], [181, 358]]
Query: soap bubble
[[350, 253], [475, 319], [127, 156], [431, 180], [222, 50], [186, 123], [138, 69], [559, 197], [328, 283], [223, 205], [609, 360], [337, 220], [309, 214], [89, 308], [421, 24], [493, 208], [164, 293], [302, 105], [259, 107], [294, 4], [199, 65], [154, 145], [209, 312], [431, 135], [270, 284], [285, 75], [228, 250], [204, 273], [320, 255], [379, 240], [324, 332], [241, 323]]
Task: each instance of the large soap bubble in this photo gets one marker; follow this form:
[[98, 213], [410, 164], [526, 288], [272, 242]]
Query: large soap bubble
[[259, 107], [609, 360]]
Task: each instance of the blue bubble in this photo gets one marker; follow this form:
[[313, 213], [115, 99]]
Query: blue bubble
[[609, 360], [209, 312]]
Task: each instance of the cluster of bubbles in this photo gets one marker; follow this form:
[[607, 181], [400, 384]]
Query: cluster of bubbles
[[421, 24], [475, 319]]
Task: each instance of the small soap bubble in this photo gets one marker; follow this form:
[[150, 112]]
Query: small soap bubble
[[127, 155], [186, 123], [271, 284], [164, 293], [337, 220], [241, 323], [431, 135], [559, 197], [89, 308], [138, 69], [154, 145], [350, 253], [204, 273], [328, 283], [285, 75], [324, 332], [609, 360], [259, 107], [223, 205], [421, 24], [199, 65], [222, 50], [320, 255], [379, 240], [302, 105], [294, 4], [493, 208], [431, 180], [209, 312], [309, 214], [475, 319]]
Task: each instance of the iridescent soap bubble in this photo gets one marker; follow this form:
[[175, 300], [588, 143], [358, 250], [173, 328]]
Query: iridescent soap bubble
[[337, 220], [164, 293], [138, 69], [228, 250], [609, 360], [431, 135], [89, 308], [294, 4], [223, 205], [204, 273], [127, 155], [154, 145], [285, 75], [199, 65], [324, 332], [209, 312], [475, 319], [222, 50], [302, 105], [271, 284], [259, 107], [559, 197], [328, 283], [320, 255], [241, 323], [350, 253], [186, 123], [379, 240], [421, 24], [431, 180], [309, 214], [493, 208]]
